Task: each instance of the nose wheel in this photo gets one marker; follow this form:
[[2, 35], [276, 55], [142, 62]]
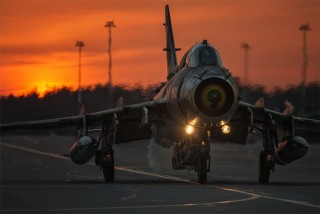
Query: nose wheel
[[202, 168], [193, 154]]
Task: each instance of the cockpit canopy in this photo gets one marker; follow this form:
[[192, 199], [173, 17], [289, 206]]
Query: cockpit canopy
[[200, 55]]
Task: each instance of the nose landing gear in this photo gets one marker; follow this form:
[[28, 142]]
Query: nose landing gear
[[192, 155]]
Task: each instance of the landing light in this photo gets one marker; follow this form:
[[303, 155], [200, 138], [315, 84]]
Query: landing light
[[189, 129], [225, 129]]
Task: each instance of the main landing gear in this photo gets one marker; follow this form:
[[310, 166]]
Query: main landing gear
[[104, 156], [291, 148], [267, 157], [107, 166], [264, 168]]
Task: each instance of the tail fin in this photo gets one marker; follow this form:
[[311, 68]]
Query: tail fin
[[172, 64]]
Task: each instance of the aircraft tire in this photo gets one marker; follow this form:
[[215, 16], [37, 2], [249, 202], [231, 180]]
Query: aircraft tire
[[108, 173], [264, 171], [108, 170], [202, 170]]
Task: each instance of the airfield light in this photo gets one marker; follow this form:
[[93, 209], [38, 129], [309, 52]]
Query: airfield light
[[225, 129], [189, 129]]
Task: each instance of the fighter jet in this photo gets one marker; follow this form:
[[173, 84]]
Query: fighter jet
[[198, 104]]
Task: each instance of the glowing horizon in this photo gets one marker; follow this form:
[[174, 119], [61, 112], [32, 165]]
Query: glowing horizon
[[40, 53]]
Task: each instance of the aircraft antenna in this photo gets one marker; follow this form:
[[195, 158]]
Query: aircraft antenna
[[109, 25], [246, 47], [304, 28], [79, 44]]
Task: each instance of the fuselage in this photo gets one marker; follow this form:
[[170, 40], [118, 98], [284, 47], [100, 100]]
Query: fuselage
[[202, 93]]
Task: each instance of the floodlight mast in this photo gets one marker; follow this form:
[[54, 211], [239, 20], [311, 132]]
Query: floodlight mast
[[246, 48], [79, 44], [110, 24], [304, 28]]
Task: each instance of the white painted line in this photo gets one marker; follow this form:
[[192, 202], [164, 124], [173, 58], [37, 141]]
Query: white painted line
[[131, 207], [252, 195]]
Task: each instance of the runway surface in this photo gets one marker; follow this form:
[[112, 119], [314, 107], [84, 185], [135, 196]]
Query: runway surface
[[36, 177]]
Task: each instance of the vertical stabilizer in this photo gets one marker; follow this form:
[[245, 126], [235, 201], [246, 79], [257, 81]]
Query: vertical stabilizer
[[170, 49]]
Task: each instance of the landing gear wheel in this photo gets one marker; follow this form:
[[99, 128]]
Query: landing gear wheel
[[264, 171], [108, 173], [202, 170], [108, 167]]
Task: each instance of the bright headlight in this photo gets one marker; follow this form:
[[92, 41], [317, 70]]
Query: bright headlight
[[225, 129], [189, 129]]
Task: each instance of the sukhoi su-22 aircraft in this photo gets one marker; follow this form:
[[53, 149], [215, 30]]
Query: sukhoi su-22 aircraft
[[198, 104]]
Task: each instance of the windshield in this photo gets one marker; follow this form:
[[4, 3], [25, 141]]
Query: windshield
[[207, 56], [202, 54]]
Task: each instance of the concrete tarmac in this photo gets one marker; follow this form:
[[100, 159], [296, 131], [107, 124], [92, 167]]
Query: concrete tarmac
[[36, 177]]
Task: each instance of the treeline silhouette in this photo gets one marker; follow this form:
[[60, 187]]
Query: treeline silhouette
[[64, 102], [306, 106]]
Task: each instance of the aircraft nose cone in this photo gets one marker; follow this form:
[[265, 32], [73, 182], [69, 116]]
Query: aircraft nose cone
[[214, 96]]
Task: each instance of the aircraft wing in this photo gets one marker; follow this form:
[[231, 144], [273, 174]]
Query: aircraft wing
[[133, 120], [261, 114]]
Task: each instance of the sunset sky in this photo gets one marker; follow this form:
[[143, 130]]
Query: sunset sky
[[37, 45]]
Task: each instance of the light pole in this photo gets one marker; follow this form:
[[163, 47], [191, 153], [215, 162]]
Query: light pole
[[79, 44], [304, 28], [244, 95], [246, 47], [110, 25]]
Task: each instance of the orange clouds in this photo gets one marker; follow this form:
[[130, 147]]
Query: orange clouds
[[38, 38]]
